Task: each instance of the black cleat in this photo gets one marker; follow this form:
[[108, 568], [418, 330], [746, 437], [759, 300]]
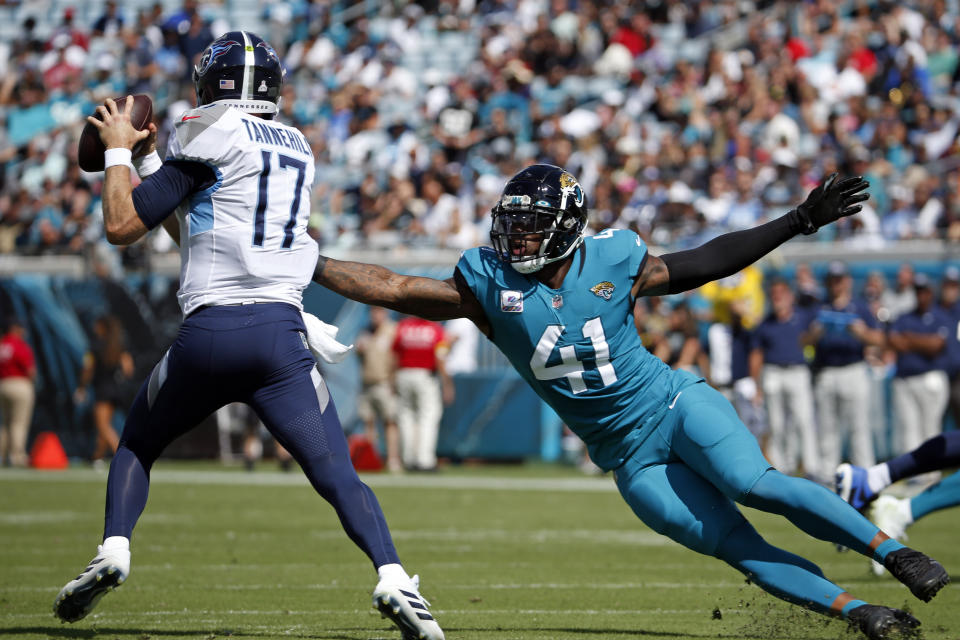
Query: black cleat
[[883, 623], [923, 575]]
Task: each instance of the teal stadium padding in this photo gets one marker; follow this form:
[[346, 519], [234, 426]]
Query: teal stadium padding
[[495, 415]]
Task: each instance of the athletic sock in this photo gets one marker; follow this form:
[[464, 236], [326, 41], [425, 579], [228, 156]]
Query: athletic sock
[[850, 606], [885, 548], [393, 572], [878, 478], [116, 543]]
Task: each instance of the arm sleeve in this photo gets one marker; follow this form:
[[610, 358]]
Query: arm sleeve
[[728, 254], [161, 192]]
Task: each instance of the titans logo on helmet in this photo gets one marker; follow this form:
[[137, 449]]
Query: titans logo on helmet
[[269, 50], [214, 51]]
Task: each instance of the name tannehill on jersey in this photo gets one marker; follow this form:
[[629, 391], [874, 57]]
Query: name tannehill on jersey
[[260, 131]]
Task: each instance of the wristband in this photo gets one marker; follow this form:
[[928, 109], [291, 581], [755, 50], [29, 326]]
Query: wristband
[[150, 163], [116, 156]]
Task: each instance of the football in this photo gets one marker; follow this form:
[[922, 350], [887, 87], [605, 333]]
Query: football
[[90, 148]]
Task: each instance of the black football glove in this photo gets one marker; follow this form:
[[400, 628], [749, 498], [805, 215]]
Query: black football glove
[[830, 201]]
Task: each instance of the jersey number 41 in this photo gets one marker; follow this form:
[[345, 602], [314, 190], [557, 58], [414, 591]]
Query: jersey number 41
[[571, 368]]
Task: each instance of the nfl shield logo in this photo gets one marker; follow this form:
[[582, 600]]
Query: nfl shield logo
[[511, 301], [557, 301]]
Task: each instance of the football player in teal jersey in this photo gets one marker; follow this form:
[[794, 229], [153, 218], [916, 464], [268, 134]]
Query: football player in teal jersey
[[559, 305]]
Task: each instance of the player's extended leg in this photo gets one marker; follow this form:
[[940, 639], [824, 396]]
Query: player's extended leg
[[296, 407], [940, 452], [860, 486], [299, 412], [894, 515], [675, 501], [705, 432], [942, 495], [170, 402]]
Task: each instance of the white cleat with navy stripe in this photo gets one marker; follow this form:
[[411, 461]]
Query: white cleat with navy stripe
[[404, 605], [106, 571]]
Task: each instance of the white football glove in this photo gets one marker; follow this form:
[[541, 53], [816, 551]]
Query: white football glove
[[321, 337]]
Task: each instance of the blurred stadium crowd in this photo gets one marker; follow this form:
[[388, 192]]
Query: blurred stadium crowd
[[682, 119]]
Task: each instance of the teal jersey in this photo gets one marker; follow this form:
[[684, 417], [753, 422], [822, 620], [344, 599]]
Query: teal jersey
[[577, 346]]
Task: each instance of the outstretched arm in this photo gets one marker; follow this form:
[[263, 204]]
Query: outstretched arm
[[425, 297], [731, 252]]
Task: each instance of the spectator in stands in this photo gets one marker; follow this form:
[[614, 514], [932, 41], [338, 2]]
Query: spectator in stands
[[108, 367], [18, 374], [839, 331], [109, 23], [544, 81], [950, 305], [778, 366], [377, 400], [903, 297], [920, 385], [423, 387]]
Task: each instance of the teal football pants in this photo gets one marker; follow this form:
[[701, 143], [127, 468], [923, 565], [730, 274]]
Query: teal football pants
[[942, 495], [683, 481]]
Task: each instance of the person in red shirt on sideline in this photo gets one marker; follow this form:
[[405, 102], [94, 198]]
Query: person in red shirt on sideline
[[17, 374], [423, 387]]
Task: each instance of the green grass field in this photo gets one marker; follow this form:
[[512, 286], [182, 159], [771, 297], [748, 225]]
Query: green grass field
[[526, 553]]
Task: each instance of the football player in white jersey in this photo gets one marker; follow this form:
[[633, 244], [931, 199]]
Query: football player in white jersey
[[239, 184]]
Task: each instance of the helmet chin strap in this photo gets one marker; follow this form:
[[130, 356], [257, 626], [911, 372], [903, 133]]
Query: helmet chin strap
[[529, 266], [532, 266]]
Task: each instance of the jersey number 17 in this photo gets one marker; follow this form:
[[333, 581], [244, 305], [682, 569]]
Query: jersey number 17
[[260, 215]]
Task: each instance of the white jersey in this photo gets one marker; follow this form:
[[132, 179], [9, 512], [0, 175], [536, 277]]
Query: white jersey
[[244, 239]]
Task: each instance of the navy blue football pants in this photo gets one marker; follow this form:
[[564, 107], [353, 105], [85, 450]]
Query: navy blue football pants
[[255, 354]]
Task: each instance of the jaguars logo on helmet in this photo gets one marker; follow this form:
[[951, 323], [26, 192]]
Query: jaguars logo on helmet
[[540, 203], [240, 69]]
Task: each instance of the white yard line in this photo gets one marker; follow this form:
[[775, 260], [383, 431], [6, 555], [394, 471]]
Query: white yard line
[[437, 481], [578, 586], [127, 616]]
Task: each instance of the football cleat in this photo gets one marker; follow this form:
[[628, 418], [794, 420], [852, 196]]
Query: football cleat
[[407, 609], [850, 482], [923, 575], [882, 623], [106, 571]]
